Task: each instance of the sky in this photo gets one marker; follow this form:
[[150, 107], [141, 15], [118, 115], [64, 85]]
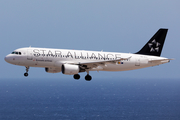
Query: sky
[[108, 25]]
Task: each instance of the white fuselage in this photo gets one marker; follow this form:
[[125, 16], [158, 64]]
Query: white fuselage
[[55, 58], [72, 62]]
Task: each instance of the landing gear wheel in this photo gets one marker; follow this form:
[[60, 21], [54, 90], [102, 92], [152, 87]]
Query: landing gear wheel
[[25, 74], [88, 77], [76, 76]]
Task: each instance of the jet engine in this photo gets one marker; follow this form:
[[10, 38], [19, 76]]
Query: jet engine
[[70, 69], [53, 70]]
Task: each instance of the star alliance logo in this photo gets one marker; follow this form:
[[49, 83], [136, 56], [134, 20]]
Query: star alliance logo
[[154, 46]]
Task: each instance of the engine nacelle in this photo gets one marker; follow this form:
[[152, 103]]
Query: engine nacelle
[[70, 69], [53, 70]]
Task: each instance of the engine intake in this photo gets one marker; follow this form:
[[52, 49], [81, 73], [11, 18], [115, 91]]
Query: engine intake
[[70, 69]]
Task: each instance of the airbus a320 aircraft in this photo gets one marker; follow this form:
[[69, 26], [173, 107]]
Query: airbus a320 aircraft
[[72, 62]]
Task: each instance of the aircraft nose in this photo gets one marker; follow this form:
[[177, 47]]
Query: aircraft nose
[[7, 59]]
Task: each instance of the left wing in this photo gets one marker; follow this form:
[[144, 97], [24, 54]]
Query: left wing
[[90, 65]]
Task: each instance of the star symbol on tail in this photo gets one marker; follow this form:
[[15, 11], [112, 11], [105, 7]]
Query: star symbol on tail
[[154, 46]]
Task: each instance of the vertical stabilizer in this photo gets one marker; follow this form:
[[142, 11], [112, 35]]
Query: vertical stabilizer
[[155, 45]]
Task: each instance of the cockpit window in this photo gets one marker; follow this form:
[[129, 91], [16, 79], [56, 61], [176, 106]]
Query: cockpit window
[[17, 53], [13, 53]]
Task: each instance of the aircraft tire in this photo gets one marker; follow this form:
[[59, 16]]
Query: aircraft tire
[[25, 74], [77, 76], [88, 77]]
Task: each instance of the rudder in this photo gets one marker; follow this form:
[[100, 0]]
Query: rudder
[[155, 45]]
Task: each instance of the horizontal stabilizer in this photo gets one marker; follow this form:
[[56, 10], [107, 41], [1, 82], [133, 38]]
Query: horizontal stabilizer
[[162, 61]]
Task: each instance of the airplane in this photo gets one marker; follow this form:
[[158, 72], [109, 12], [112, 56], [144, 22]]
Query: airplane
[[73, 62]]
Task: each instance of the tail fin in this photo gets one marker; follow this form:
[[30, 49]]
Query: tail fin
[[155, 44]]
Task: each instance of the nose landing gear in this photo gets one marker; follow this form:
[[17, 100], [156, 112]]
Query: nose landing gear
[[26, 73]]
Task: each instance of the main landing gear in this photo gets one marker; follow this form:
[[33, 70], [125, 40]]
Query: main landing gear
[[26, 73], [76, 76], [87, 77]]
